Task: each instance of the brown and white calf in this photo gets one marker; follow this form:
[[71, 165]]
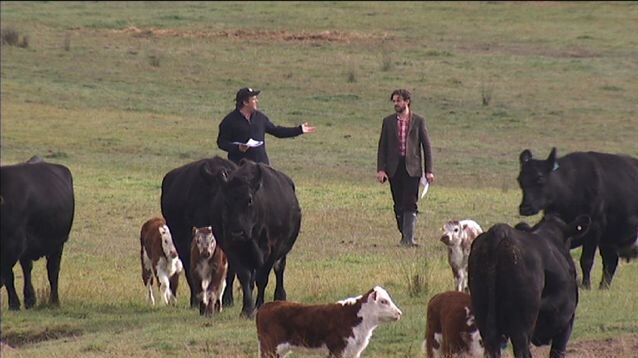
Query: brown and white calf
[[341, 329], [458, 237], [451, 330], [209, 266], [159, 259]]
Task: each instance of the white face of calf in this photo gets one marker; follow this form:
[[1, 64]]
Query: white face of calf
[[167, 242], [205, 241], [380, 306], [453, 233]]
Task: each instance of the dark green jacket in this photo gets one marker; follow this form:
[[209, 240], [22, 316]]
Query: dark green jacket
[[418, 142]]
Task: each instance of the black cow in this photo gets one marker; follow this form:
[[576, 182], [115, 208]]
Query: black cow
[[261, 220], [37, 209], [602, 186], [187, 201], [523, 285]]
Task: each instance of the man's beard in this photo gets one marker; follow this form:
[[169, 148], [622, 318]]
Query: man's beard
[[399, 109]]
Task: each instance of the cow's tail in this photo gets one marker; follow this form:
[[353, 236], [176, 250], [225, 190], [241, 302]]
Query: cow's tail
[[494, 337]]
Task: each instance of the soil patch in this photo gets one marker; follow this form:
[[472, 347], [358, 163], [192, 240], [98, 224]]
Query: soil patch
[[12, 340]]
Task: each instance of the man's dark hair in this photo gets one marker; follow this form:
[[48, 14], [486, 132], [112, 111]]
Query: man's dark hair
[[403, 93]]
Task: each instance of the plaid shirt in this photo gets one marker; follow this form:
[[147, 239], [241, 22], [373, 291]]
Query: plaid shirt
[[402, 126]]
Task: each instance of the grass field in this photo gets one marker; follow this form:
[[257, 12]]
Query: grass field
[[123, 92]]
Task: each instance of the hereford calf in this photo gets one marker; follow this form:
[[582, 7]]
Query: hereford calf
[[208, 269], [341, 329], [159, 260], [458, 236], [450, 330]]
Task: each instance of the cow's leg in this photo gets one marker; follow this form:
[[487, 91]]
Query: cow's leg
[[7, 274], [147, 274], [559, 341], [245, 277], [165, 288], [227, 298], [464, 287], [210, 303], [184, 253], [149, 287], [492, 350], [610, 263], [520, 344], [280, 268], [28, 291], [53, 272], [174, 283], [458, 279], [262, 281], [586, 262]]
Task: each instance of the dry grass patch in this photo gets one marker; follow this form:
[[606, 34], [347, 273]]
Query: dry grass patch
[[259, 35]]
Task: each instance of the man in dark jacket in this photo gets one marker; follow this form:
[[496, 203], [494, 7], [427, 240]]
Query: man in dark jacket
[[403, 136], [242, 132]]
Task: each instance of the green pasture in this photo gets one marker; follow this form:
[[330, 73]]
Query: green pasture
[[123, 92]]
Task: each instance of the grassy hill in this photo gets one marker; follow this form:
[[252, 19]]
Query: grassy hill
[[122, 92]]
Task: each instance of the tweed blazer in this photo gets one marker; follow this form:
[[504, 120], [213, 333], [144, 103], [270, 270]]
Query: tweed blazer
[[418, 154]]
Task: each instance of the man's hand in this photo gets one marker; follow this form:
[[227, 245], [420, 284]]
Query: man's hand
[[382, 176], [429, 177], [243, 147], [306, 128]]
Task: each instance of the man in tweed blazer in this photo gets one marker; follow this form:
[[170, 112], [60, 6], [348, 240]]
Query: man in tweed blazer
[[404, 155]]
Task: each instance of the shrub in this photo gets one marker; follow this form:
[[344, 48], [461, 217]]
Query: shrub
[[352, 76], [10, 37], [25, 42], [154, 60], [67, 42], [486, 94], [387, 62]]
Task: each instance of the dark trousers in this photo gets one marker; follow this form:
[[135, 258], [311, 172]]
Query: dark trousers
[[405, 190]]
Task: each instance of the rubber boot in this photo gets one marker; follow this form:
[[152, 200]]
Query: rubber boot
[[399, 217], [409, 226]]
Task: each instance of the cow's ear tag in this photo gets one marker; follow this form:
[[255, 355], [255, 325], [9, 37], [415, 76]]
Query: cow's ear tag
[[555, 168]]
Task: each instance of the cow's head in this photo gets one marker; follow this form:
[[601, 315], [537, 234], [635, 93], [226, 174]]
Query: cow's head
[[533, 180], [240, 212], [574, 230], [453, 233], [205, 240], [216, 171], [167, 242], [379, 307]]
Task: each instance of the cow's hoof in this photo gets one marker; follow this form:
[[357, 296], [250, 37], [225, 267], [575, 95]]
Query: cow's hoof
[[604, 286], [28, 304], [585, 285], [248, 315]]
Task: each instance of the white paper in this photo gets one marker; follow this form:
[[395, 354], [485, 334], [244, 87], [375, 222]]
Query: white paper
[[251, 143], [426, 186]]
